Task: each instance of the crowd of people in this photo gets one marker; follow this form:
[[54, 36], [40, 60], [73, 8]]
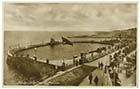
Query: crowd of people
[[117, 62]]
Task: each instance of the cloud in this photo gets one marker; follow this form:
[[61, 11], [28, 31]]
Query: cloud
[[94, 16]]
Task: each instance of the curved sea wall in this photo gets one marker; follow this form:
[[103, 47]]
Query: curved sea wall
[[29, 66]]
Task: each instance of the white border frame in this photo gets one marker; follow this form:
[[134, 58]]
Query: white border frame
[[68, 1]]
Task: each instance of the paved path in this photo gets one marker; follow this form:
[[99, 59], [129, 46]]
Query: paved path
[[104, 79], [131, 81], [98, 73]]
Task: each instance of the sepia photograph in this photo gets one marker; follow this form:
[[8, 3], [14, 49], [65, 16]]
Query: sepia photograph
[[69, 44]]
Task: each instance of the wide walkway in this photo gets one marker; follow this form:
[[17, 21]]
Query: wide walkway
[[131, 81], [103, 78], [128, 81]]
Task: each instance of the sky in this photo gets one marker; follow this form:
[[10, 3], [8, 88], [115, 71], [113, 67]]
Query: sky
[[69, 16]]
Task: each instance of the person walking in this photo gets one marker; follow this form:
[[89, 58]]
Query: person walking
[[77, 63], [90, 78], [96, 79], [99, 64], [102, 65]]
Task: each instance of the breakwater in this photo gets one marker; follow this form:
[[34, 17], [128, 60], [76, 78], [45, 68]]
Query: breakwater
[[106, 42]]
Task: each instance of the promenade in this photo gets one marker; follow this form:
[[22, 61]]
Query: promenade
[[104, 79]]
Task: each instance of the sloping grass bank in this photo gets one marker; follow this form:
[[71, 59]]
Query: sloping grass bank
[[31, 68], [73, 77]]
